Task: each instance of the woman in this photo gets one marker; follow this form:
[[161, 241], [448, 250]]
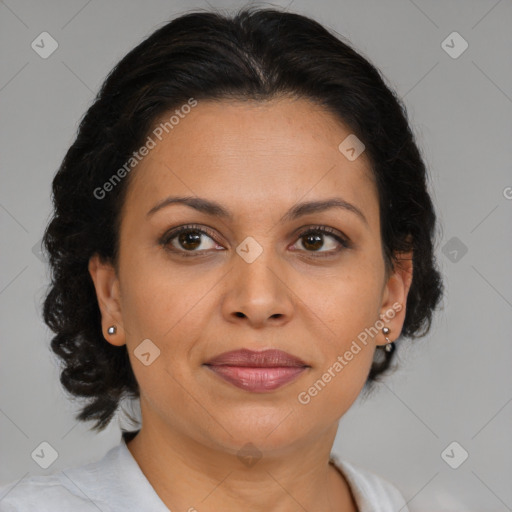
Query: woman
[[242, 231]]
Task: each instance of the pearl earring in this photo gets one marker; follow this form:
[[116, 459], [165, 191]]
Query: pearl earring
[[112, 329], [390, 346]]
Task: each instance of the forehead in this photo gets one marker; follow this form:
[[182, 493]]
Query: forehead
[[282, 127], [268, 152]]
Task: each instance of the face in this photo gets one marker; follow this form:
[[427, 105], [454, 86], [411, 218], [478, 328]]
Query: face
[[257, 278]]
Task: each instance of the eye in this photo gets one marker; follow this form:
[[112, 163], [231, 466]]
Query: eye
[[312, 240], [188, 239]]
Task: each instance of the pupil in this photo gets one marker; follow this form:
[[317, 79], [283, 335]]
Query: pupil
[[186, 238]]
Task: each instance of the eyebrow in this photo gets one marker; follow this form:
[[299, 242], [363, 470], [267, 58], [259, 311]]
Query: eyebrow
[[216, 210]]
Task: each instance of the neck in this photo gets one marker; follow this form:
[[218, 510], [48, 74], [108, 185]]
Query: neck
[[298, 478]]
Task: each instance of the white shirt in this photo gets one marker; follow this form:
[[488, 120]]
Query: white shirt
[[116, 483]]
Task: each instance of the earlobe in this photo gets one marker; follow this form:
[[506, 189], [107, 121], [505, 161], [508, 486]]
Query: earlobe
[[397, 288], [106, 284]]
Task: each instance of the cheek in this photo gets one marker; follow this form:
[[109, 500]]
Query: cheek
[[345, 350], [333, 389], [347, 302], [159, 298], [347, 308], [170, 308], [168, 311]]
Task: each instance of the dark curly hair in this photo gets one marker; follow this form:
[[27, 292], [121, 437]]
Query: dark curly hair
[[256, 53]]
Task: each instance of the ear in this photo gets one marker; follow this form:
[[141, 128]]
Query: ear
[[394, 299], [106, 284]]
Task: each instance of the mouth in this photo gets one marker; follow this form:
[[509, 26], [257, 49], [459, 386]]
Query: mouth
[[258, 372]]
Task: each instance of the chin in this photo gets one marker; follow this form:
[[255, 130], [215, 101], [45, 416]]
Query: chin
[[269, 428]]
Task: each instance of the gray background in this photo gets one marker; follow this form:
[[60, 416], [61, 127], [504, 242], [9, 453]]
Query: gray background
[[453, 385]]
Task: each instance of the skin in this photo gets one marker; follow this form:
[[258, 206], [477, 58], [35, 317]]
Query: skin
[[257, 159]]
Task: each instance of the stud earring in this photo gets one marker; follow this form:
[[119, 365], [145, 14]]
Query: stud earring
[[390, 345], [112, 329]]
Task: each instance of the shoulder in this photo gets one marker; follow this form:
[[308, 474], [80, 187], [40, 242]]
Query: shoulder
[[45, 493], [114, 482], [372, 492], [74, 488]]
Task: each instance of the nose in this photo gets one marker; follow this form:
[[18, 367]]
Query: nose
[[257, 293]]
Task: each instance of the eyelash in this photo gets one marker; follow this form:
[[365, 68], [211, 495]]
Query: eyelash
[[326, 230]]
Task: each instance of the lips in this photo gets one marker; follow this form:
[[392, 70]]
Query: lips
[[258, 372], [263, 359]]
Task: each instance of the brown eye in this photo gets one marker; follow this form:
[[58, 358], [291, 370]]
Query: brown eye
[[188, 239], [314, 240]]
